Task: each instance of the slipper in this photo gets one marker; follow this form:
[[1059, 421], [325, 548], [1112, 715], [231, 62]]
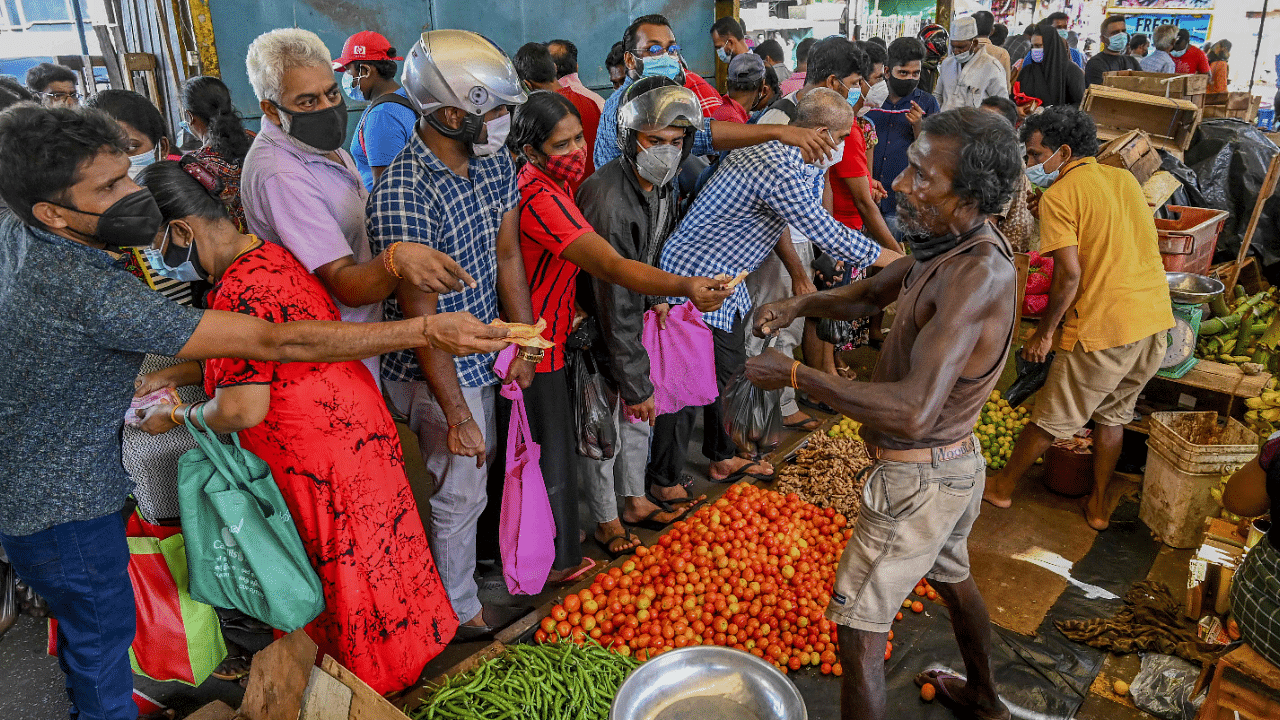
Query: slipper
[[606, 545], [666, 505], [938, 679], [577, 574], [815, 405], [808, 425], [471, 633], [648, 523], [741, 474], [232, 668]]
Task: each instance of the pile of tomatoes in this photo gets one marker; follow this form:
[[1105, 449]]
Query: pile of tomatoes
[[752, 571]]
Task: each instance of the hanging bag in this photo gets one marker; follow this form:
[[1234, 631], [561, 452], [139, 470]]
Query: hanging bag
[[753, 417], [526, 527], [682, 359], [593, 399], [242, 546]]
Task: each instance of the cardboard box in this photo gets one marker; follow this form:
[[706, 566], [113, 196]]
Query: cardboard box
[[1134, 152], [1186, 87], [1209, 581], [1169, 123]]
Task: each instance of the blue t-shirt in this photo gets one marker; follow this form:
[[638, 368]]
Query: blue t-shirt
[[385, 130], [895, 137], [74, 326]]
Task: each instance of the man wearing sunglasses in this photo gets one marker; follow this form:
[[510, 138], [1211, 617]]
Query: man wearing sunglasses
[[650, 48], [55, 85]]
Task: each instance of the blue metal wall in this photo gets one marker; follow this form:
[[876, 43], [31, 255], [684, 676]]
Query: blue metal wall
[[592, 25]]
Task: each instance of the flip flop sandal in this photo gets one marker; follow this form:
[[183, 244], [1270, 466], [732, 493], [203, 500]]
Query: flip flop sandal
[[816, 423], [815, 405], [665, 505], [577, 574], [741, 474], [686, 482], [648, 523], [607, 545], [233, 668], [938, 678]]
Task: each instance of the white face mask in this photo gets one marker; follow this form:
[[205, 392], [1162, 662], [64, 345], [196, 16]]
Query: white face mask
[[499, 128], [140, 161], [836, 156]]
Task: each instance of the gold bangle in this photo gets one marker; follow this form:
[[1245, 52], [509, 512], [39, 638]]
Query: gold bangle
[[460, 423], [173, 412], [794, 369], [389, 260], [530, 357]]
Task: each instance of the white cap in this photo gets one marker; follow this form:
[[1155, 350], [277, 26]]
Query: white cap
[[963, 28]]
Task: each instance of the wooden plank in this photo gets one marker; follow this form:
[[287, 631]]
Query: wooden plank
[[216, 710], [1160, 188], [365, 703], [1223, 378], [326, 697], [1264, 193], [278, 678]]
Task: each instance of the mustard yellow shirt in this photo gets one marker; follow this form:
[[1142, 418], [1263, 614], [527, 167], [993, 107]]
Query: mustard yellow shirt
[[1123, 295]]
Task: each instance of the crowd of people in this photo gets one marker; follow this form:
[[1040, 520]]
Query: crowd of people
[[295, 280]]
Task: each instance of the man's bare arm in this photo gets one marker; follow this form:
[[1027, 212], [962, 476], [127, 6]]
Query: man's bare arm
[[855, 300]]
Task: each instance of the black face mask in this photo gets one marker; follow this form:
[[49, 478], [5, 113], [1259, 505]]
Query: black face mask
[[321, 129], [900, 87], [132, 221]]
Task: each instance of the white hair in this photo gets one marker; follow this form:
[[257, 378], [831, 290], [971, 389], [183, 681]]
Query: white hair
[[1164, 37], [274, 52], [823, 107]]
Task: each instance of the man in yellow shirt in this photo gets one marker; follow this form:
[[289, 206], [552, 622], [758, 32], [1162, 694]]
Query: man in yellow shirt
[[1108, 285]]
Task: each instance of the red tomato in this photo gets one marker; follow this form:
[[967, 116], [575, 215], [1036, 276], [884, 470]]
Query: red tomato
[[563, 629], [572, 603], [559, 613]]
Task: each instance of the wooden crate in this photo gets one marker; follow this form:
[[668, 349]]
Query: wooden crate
[[1244, 686], [1134, 152], [1185, 87], [1248, 113], [1169, 123], [1230, 100]]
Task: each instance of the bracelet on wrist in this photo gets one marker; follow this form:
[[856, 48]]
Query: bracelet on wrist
[[173, 412], [794, 369], [527, 356], [389, 260], [460, 423]]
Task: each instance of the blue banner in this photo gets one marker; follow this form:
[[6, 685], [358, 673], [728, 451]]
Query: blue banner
[[1196, 24]]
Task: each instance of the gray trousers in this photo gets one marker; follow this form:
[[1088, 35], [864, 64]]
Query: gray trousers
[[460, 494], [623, 474], [769, 283]]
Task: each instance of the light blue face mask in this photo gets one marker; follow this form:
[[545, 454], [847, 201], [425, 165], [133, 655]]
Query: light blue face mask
[[1118, 42], [139, 161], [185, 271], [1037, 175], [663, 65], [722, 52], [350, 87], [1037, 55], [1063, 33], [855, 94]]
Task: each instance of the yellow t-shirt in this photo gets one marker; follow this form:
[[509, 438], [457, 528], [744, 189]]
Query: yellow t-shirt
[[1123, 295]]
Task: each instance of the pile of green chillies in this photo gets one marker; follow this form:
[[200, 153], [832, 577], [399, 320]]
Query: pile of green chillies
[[539, 682]]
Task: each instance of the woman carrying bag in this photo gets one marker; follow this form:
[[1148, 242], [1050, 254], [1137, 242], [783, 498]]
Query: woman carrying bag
[[325, 435]]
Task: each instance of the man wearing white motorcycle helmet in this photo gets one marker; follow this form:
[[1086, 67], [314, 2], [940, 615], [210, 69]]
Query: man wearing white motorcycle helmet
[[453, 188]]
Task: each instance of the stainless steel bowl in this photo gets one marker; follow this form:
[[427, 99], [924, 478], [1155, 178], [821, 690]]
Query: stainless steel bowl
[[1192, 289], [707, 683]]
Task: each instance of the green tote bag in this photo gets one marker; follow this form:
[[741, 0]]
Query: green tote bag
[[243, 550]]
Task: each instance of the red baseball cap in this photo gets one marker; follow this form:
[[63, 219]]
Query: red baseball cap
[[366, 45]]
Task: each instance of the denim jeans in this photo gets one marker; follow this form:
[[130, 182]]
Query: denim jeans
[[82, 569]]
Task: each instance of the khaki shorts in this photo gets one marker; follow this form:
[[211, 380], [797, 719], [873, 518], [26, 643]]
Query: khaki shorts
[[915, 522], [1103, 385]]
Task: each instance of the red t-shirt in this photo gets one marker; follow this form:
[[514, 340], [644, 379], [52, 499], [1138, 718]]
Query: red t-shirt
[[730, 111], [590, 113], [549, 222], [1192, 61], [708, 98], [853, 165]]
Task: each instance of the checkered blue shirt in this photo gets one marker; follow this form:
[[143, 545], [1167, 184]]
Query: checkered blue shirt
[[738, 218], [607, 136], [420, 200]]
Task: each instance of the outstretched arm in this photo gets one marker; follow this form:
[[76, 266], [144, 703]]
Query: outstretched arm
[[855, 300]]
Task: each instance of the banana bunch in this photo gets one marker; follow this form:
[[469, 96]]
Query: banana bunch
[[1263, 415]]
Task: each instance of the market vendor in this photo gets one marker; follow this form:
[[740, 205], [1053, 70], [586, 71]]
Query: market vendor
[[1255, 593], [1108, 286], [955, 297]]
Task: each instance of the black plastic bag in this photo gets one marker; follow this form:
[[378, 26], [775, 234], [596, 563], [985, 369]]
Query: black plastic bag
[[1229, 159], [752, 417], [1031, 377], [836, 332], [8, 598], [594, 400]]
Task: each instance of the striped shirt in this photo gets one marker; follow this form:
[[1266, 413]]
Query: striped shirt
[[549, 223]]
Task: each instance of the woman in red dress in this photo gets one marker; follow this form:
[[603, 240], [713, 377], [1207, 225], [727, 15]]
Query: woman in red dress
[[326, 434]]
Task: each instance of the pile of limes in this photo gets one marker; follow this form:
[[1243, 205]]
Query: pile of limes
[[846, 428], [998, 429]]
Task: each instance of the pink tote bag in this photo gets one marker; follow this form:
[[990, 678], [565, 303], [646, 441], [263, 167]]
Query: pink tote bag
[[526, 528], [682, 359]]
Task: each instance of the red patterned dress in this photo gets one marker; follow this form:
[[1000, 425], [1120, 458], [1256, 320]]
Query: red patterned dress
[[334, 451]]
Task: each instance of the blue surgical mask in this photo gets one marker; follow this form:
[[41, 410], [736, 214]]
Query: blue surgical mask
[[186, 128], [1039, 177], [350, 87], [663, 65], [139, 161], [1118, 42], [855, 94], [186, 269], [722, 52], [1063, 33], [1037, 55], [1178, 53]]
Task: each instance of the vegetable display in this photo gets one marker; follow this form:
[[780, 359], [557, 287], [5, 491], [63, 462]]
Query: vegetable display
[[1244, 329], [1263, 415], [828, 471], [998, 428], [576, 681]]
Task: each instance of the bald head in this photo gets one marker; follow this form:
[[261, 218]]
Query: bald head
[[823, 108]]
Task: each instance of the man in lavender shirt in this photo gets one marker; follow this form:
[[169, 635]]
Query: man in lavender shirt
[[301, 190]]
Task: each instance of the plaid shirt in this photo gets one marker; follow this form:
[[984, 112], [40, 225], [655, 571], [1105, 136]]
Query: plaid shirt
[[738, 218], [421, 200], [607, 136]]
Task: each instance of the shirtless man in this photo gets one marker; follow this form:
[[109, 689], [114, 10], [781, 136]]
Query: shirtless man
[[955, 298]]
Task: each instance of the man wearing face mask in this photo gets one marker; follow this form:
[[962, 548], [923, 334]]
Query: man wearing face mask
[[140, 120], [66, 181], [454, 189], [735, 224], [968, 75], [1159, 60], [746, 89], [728, 39], [1115, 40], [1108, 286], [300, 189], [368, 67], [897, 119], [1187, 58], [650, 49]]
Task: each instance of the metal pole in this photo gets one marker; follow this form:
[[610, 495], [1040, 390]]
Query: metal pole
[[1257, 48], [84, 41]]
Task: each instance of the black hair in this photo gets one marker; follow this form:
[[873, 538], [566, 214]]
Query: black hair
[[985, 22], [771, 79], [770, 49], [876, 55], [537, 118], [567, 59], [208, 99], [727, 27], [39, 77], [12, 92], [803, 49], [999, 34], [989, 165], [180, 195], [614, 58], [835, 56], [629, 36], [1113, 19], [534, 65], [386, 69], [1064, 125], [1005, 106], [133, 108], [877, 40], [1138, 40], [1055, 17], [42, 151], [1184, 38], [1029, 30], [904, 50]]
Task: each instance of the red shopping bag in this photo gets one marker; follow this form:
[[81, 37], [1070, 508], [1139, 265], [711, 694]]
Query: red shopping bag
[[682, 360], [526, 528]]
